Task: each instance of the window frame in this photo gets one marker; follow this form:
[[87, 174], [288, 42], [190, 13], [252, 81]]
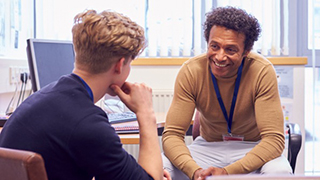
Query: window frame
[[301, 34]]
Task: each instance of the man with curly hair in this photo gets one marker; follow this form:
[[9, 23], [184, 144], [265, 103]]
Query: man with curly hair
[[236, 94], [62, 123]]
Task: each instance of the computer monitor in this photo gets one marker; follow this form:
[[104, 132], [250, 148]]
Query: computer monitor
[[48, 60]]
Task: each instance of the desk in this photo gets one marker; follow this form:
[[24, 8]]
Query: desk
[[129, 138], [134, 137]]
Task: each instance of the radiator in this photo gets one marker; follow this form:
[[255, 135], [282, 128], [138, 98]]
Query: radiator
[[161, 102]]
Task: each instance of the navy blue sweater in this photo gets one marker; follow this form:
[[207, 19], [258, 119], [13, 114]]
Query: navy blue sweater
[[74, 137]]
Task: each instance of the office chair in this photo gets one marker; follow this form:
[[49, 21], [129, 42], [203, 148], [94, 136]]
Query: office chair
[[294, 144], [21, 165]]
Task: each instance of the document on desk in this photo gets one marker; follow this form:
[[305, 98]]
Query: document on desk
[[120, 117], [126, 127]]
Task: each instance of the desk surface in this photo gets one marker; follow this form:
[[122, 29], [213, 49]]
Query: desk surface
[[134, 138], [126, 138], [130, 138]]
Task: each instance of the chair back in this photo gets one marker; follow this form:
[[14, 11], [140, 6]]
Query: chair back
[[21, 165], [294, 144], [196, 126]]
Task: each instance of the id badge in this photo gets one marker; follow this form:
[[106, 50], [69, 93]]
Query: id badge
[[232, 137]]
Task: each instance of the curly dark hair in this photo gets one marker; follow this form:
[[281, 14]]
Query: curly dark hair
[[235, 19]]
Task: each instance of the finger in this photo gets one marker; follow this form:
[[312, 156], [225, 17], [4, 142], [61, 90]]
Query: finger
[[168, 177], [205, 173], [166, 174], [117, 90], [126, 85]]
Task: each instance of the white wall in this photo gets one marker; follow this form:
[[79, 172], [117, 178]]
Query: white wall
[[157, 77], [7, 89], [5, 65]]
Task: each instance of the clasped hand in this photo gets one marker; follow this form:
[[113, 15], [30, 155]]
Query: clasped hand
[[136, 96], [201, 174]]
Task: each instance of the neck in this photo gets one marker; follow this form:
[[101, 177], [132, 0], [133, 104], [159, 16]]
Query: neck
[[94, 82]]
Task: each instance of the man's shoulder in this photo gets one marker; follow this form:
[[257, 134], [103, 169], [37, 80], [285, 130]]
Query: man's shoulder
[[254, 57], [194, 67], [196, 63], [202, 58]]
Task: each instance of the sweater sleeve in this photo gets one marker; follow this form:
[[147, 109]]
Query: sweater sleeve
[[269, 118], [178, 121]]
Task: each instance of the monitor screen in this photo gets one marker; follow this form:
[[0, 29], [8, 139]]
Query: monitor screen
[[48, 60]]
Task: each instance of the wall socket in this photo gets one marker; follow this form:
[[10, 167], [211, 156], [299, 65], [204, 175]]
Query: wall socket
[[15, 72]]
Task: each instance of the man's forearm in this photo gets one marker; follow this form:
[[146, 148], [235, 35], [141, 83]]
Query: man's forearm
[[150, 153]]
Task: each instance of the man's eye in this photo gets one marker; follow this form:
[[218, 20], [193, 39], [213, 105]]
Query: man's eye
[[214, 46], [231, 50]]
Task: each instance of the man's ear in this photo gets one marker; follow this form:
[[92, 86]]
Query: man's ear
[[119, 65]]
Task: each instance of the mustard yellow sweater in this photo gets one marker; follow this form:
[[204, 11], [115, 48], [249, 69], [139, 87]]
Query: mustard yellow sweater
[[257, 115]]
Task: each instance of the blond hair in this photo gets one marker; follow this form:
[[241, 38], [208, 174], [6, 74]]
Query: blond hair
[[101, 39]]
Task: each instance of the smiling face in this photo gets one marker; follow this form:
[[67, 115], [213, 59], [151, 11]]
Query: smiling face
[[225, 51]]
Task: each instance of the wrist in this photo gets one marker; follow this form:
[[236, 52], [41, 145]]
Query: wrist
[[145, 112], [196, 174], [224, 171], [146, 118]]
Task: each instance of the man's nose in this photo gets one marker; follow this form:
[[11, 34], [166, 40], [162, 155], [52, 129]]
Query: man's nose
[[221, 55]]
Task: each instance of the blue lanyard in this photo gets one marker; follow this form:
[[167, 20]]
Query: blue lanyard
[[234, 99], [86, 86]]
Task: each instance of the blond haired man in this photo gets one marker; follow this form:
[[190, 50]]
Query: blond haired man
[[61, 121]]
